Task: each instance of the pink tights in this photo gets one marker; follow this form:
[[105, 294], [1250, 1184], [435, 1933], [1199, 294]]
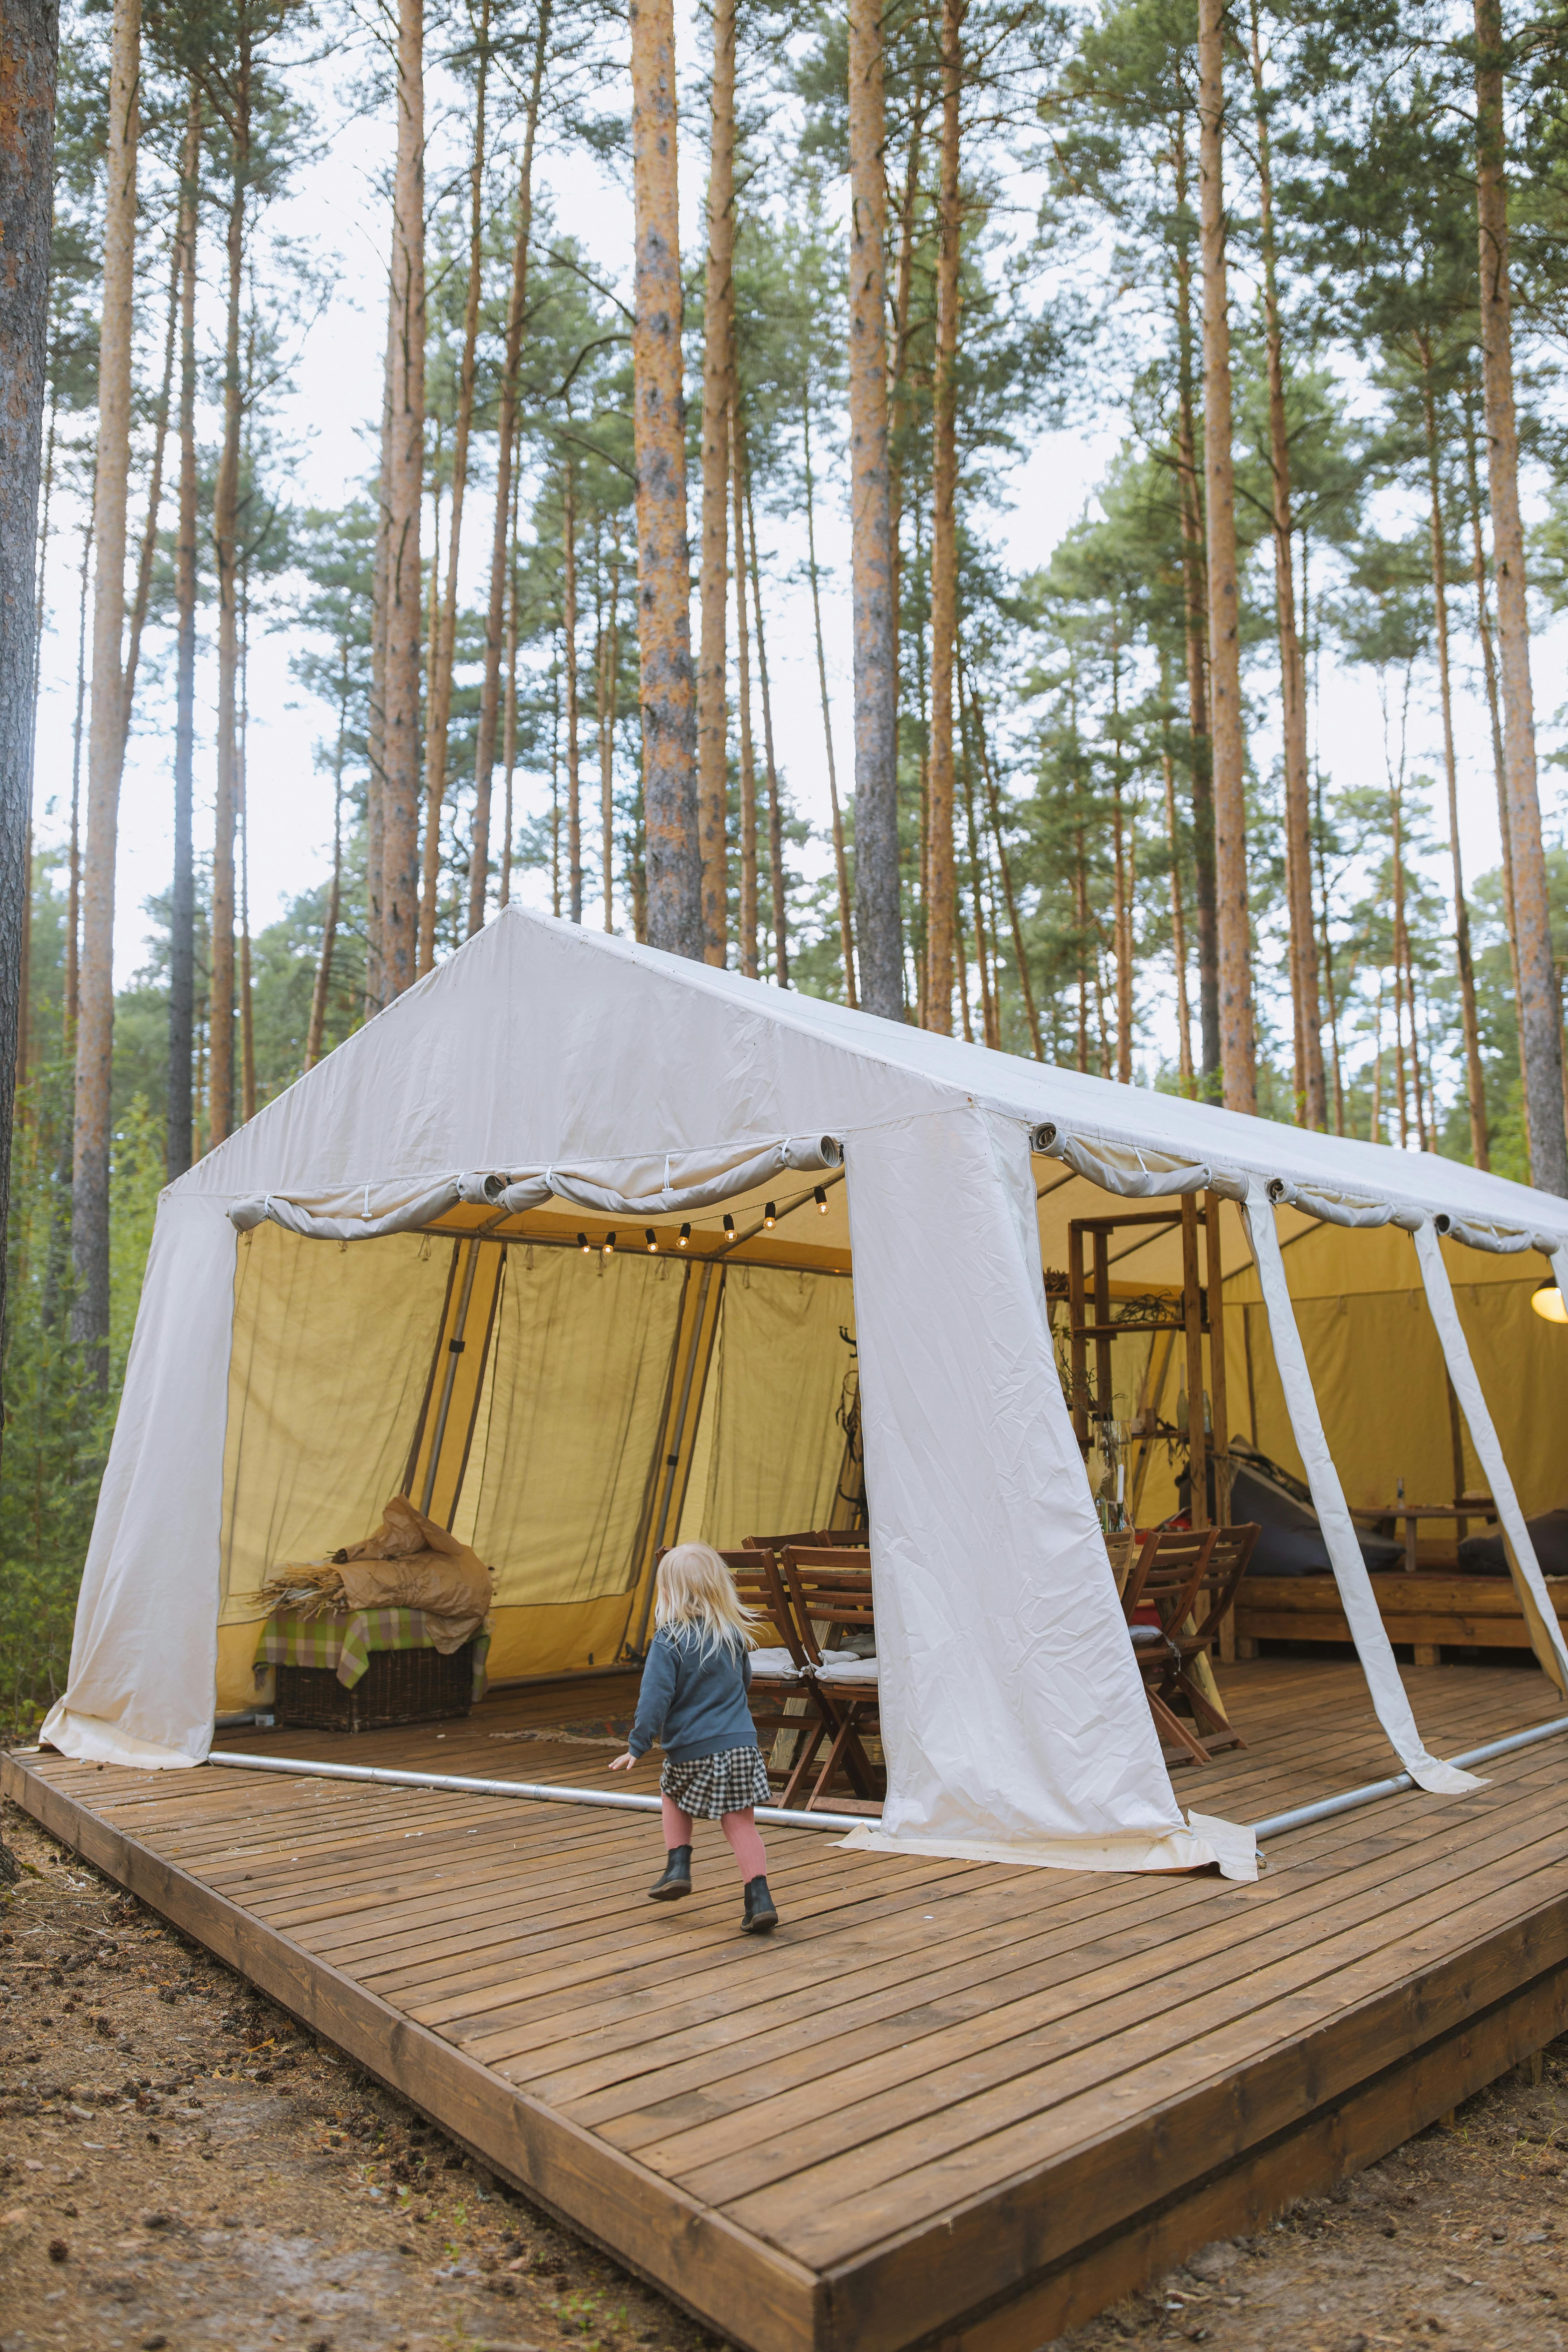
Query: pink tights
[[741, 1829]]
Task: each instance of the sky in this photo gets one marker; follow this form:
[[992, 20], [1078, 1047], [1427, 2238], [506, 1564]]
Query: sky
[[325, 423]]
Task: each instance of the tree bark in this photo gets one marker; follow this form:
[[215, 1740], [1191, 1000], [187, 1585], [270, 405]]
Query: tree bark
[[993, 807], [674, 852], [501, 531], [29, 56], [73, 882], [1195, 595], [183, 893], [1178, 933], [404, 495], [744, 703], [1236, 1050], [878, 914], [95, 1023], [1539, 993], [316, 1033], [225, 548], [944, 542], [573, 750], [438, 697], [777, 884], [247, 1006], [375, 786], [142, 593], [1474, 1078], [1312, 1109], [718, 390], [840, 867], [609, 671], [509, 746]]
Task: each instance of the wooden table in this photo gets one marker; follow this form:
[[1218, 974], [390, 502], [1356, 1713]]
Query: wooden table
[[1477, 1506]]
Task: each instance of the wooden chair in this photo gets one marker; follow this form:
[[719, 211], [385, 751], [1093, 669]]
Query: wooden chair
[[813, 1539], [785, 1695], [1166, 1578], [1193, 1639], [830, 1591]]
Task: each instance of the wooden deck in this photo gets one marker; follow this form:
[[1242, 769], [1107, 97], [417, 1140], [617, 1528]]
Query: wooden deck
[[946, 2103]]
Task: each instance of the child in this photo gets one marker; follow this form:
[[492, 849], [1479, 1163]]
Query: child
[[693, 1701]]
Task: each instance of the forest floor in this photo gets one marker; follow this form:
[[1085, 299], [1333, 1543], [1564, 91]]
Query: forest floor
[[183, 2167]]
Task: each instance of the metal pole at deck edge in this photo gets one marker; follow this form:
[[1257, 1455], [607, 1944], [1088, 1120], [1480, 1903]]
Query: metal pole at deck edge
[[1351, 1799], [617, 1800]]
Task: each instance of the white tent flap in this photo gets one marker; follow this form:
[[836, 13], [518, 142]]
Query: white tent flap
[[1013, 1714], [1528, 1579], [1358, 1602]]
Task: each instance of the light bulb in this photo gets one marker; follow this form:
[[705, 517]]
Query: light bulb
[[1547, 1301], [647, 1236], [820, 1197], [684, 1237], [584, 1244], [728, 1226], [609, 1246], [769, 1215]]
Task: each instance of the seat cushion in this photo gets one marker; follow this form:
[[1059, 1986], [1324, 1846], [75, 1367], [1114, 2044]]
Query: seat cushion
[[843, 1666], [775, 1666]]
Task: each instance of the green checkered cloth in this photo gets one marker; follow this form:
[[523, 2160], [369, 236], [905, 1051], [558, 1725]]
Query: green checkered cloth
[[344, 1642]]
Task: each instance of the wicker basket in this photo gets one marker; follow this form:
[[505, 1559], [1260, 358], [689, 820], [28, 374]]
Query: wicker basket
[[397, 1686]]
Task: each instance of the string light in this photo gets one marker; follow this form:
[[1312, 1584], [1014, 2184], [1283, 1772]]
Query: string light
[[584, 1244], [770, 1216], [609, 1246], [684, 1237], [728, 1226], [647, 1236], [1547, 1301], [820, 1197]]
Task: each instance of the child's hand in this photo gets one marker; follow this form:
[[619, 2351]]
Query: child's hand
[[624, 1763]]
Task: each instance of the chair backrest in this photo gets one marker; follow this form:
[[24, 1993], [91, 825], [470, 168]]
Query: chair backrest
[[1168, 1573], [1227, 1565], [827, 1588], [812, 1540], [761, 1590]]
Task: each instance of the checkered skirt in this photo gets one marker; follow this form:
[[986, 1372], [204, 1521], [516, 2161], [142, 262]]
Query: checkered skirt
[[709, 1786]]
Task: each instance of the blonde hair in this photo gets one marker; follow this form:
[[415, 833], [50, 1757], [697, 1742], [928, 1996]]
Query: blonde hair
[[695, 1591]]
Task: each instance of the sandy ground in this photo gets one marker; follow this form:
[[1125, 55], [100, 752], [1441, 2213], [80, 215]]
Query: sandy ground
[[182, 2167]]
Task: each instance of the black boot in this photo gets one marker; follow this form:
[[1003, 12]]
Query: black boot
[[677, 1879], [760, 1918]]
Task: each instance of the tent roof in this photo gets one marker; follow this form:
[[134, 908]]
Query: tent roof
[[540, 1042]]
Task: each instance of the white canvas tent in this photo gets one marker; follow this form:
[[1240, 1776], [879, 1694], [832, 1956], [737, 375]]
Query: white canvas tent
[[328, 1313]]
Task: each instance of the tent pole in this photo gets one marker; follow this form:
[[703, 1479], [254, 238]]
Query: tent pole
[[454, 1349], [1327, 1807]]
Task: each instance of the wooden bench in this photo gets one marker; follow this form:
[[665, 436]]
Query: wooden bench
[[1431, 1609]]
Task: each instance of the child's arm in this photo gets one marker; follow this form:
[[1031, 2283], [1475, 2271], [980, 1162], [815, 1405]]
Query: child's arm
[[657, 1688]]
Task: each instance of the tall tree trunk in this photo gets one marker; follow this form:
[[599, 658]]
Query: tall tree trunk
[[316, 1033], [608, 673], [182, 894], [988, 1021], [142, 593], [226, 547], [994, 806], [1236, 1065], [1494, 714], [569, 634], [669, 713], [945, 540], [29, 56], [841, 865], [1178, 933], [877, 895], [1194, 597], [1313, 1108], [502, 533], [438, 697], [405, 505], [246, 1002], [1474, 1078], [375, 763], [777, 884], [718, 390], [898, 390], [1540, 996], [95, 1024], [509, 745], [73, 865], [744, 703]]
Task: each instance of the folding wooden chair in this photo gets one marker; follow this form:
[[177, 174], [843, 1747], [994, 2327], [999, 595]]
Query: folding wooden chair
[[830, 1591], [1166, 1578], [782, 1678], [1193, 1639]]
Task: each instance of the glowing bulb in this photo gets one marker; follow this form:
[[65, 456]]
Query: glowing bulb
[[1547, 1301], [769, 1215], [609, 1246], [728, 1226], [685, 1235], [647, 1236], [584, 1244], [820, 1197]]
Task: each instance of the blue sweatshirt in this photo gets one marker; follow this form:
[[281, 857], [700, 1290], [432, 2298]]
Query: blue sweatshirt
[[692, 1699]]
